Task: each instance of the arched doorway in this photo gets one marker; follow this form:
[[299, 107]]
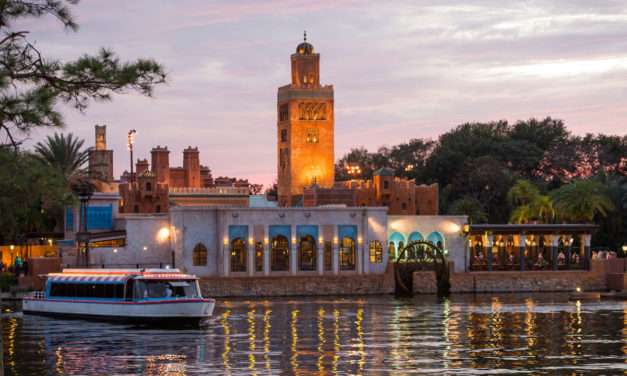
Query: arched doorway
[[238, 255], [307, 253], [280, 254]]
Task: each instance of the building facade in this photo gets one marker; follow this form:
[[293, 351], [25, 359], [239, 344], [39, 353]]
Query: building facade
[[401, 196], [305, 129]]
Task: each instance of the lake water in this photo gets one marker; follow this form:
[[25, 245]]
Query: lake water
[[539, 334]]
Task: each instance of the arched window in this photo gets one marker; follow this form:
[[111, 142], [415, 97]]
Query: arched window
[[199, 255], [307, 253], [238, 255], [280, 254], [395, 242], [347, 254], [376, 252]]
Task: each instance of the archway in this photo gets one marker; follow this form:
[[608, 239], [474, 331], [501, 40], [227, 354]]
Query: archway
[[421, 255]]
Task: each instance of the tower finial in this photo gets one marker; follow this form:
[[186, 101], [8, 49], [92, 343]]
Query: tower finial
[[305, 36]]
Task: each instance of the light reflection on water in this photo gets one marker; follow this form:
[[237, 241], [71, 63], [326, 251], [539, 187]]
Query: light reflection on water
[[374, 335]]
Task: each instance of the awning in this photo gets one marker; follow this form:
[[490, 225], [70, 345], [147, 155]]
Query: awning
[[60, 278]]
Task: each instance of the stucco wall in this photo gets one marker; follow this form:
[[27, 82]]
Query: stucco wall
[[210, 226], [141, 231]]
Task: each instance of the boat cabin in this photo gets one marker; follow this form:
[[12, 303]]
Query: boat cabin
[[122, 284]]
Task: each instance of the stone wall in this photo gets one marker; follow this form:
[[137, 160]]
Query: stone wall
[[298, 286], [527, 281]]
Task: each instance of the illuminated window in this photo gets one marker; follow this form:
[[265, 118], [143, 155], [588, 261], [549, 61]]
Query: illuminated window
[[328, 255], [307, 253], [347, 254], [259, 257], [238, 255], [199, 255], [376, 252], [312, 136], [280, 254]]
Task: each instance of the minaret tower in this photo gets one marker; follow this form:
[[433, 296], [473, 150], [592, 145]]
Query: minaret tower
[[305, 129]]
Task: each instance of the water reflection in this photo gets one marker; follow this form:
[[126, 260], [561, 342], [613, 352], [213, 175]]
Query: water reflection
[[380, 335]]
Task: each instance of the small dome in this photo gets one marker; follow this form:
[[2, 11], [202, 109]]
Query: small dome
[[305, 48]]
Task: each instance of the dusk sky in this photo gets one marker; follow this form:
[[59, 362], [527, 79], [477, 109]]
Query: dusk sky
[[400, 70]]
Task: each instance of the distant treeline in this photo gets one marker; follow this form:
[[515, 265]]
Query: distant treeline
[[499, 172]]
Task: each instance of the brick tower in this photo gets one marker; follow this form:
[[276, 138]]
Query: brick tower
[[161, 164], [100, 158], [191, 167], [305, 134]]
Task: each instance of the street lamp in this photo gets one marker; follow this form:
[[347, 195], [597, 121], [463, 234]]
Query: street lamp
[[353, 170], [131, 141]]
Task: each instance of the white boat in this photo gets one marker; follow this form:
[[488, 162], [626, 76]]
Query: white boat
[[137, 295]]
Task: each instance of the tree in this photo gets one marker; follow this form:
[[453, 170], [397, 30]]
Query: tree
[[581, 201], [529, 204], [62, 153], [31, 196], [31, 84], [471, 207], [522, 192]]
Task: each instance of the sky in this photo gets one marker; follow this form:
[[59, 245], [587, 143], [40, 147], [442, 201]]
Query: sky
[[400, 70]]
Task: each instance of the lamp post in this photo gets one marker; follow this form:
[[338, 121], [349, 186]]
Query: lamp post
[[131, 141], [82, 237]]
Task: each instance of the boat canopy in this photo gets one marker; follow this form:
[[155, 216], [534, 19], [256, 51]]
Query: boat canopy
[[93, 278]]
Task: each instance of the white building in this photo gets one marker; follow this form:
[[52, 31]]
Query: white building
[[266, 241]]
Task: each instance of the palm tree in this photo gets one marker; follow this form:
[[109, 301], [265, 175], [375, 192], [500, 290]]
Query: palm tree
[[532, 205], [581, 200], [522, 193], [63, 153]]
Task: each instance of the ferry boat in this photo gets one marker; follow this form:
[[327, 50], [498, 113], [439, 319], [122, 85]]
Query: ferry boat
[[137, 295]]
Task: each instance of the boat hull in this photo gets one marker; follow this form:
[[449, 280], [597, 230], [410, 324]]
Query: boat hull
[[184, 311]]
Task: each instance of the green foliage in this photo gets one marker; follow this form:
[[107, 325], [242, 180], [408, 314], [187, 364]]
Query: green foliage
[[32, 196], [63, 153], [6, 281], [471, 207], [581, 201], [31, 85], [522, 192], [498, 171]]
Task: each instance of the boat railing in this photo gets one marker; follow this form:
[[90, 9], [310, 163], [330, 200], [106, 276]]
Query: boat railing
[[38, 295]]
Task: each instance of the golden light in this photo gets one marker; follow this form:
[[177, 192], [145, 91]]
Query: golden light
[[451, 227], [131, 139], [163, 234], [359, 240], [145, 248], [321, 240], [11, 247], [250, 240], [466, 228], [335, 239], [226, 241], [578, 289], [49, 241], [266, 240]]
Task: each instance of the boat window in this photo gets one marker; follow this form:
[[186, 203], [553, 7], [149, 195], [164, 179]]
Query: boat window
[[147, 289], [87, 290]]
